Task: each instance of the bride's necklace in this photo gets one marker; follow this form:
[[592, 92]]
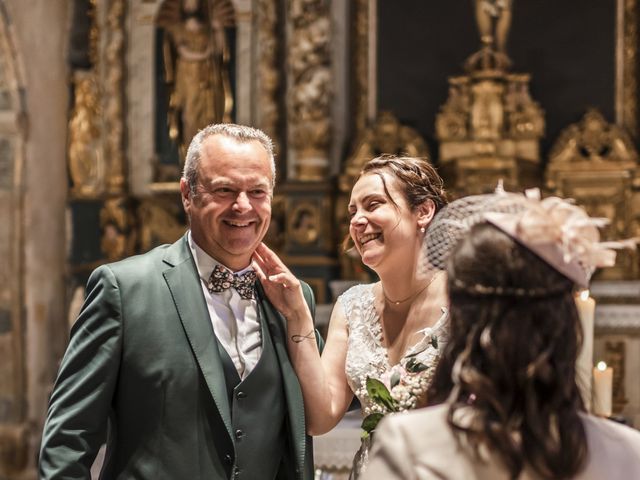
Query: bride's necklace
[[414, 294]]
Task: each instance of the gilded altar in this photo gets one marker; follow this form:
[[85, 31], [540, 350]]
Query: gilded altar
[[595, 163], [489, 127]]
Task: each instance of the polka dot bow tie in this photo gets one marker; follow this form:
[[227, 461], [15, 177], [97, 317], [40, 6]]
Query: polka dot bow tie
[[222, 278]]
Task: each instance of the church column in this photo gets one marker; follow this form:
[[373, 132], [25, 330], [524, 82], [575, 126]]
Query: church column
[[307, 194], [33, 175], [309, 89]]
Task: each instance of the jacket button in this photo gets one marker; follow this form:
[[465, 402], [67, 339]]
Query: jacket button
[[241, 395], [239, 434], [228, 459]]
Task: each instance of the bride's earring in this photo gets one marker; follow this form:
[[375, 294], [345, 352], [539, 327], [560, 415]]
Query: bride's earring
[[423, 230]]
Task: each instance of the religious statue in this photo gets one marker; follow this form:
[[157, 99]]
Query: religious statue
[[196, 61], [494, 19], [86, 165]]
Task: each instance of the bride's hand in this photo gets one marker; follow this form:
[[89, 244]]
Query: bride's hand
[[282, 288]]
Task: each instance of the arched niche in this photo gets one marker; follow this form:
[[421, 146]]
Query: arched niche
[[141, 79]]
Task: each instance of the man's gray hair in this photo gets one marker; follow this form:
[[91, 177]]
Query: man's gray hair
[[240, 133]]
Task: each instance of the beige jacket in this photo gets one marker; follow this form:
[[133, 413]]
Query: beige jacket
[[420, 445]]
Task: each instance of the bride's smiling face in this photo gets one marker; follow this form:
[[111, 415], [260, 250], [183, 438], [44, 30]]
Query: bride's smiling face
[[383, 227]]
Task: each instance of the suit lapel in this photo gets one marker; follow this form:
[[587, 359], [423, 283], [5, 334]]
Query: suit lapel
[[184, 284], [293, 394]]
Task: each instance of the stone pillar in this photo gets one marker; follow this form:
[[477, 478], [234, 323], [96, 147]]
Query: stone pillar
[[308, 191], [309, 89], [38, 29]]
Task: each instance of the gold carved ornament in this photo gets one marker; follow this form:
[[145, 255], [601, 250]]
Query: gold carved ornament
[[489, 127], [118, 229], [269, 75], [276, 234], [360, 61], [304, 224], [86, 162], [595, 163], [591, 143], [159, 222], [84, 150], [114, 98], [310, 93], [385, 136]]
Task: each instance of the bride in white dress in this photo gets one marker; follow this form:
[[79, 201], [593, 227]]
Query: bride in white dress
[[391, 330]]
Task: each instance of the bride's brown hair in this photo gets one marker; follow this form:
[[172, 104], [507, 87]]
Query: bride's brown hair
[[514, 337]]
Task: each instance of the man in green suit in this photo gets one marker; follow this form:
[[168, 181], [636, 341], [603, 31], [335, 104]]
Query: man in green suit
[[177, 360]]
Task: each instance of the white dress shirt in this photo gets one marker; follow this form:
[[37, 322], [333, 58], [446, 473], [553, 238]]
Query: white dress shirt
[[235, 320]]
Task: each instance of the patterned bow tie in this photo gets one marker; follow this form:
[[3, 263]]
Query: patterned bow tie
[[222, 278]]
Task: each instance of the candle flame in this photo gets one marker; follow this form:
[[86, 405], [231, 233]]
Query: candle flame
[[601, 366], [584, 295]]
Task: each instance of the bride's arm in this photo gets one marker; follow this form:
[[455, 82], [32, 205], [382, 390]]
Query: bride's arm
[[326, 393], [325, 390]]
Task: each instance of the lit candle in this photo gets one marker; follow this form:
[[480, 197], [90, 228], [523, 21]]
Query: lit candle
[[586, 307], [602, 389]]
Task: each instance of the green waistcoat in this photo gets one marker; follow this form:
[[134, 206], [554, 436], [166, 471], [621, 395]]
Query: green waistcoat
[[257, 413]]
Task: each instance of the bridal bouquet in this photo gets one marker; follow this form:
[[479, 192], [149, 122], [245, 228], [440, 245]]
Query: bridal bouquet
[[398, 390]]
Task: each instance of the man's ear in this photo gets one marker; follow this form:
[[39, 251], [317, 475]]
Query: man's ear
[[426, 212], [185, 194]]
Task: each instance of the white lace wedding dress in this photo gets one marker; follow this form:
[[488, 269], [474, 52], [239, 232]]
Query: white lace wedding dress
[[366, 357]]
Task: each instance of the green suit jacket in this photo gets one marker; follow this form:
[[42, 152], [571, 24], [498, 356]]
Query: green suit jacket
[[143, 364]]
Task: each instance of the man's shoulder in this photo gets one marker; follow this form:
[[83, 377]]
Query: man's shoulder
[[139, 265]]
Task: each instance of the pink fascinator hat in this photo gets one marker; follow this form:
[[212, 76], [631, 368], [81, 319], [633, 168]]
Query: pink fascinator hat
[[561, 233], [555, 229]]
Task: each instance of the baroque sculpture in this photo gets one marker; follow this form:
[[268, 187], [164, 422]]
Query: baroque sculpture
[[489, 127], [595, 163], [494, 20], [196, 60], [309, 98]]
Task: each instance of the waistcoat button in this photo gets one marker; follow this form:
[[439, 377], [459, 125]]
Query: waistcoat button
[[239, 434], [241, 395]]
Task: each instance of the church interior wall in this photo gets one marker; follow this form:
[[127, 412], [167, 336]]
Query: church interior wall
[[39, 34], [391, 57]]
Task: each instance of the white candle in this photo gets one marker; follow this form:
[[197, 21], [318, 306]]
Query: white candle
[[586, 307], [602, 389]]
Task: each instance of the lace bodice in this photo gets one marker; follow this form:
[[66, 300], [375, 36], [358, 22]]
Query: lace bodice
[[367, 357]]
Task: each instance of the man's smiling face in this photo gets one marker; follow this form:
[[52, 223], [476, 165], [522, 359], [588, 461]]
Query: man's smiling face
[[231, 208]]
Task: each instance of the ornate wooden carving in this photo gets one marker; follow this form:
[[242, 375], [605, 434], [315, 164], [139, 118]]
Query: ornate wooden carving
[[627, 66], [309, 95], [489, 127], [268, 73], [114, 98], [595, 163]]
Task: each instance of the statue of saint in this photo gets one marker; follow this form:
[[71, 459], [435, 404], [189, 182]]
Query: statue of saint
[[494, 20], [196, 60]]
